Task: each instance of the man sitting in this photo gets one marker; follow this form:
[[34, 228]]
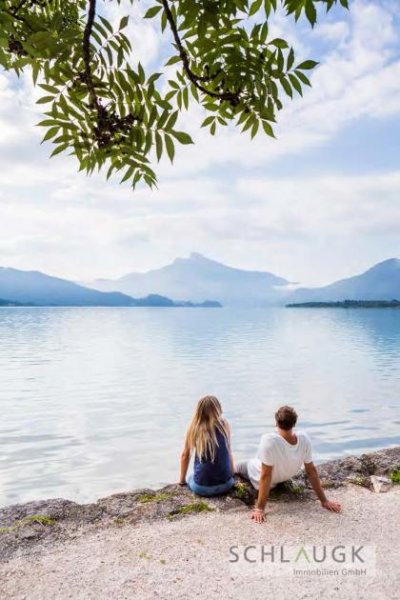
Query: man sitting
[[279, 457]]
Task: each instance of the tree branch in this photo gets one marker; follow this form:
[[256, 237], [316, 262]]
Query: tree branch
[[195, 79], [86, 55]]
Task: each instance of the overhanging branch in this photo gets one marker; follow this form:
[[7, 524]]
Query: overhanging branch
[[86, 55], [233, 97]]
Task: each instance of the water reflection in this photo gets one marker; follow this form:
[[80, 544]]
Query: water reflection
[[96, 400]]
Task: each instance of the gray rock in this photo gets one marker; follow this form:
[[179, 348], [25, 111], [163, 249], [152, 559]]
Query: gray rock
[[380, 484], [67, 519]]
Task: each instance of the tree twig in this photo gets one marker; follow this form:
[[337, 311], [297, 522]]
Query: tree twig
[[86, 55], [195, 79]]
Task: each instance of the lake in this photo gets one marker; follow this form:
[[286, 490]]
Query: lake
[[96, 400]]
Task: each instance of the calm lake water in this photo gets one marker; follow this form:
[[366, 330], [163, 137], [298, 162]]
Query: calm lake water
[[96, 400]]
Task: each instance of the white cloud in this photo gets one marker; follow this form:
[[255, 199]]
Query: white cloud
[[310, 228]]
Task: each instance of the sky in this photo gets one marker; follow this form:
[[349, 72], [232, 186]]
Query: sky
[[320, 203]]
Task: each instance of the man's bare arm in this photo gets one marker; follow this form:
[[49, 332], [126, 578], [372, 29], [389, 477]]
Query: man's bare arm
[[264, 487], [315, 481]]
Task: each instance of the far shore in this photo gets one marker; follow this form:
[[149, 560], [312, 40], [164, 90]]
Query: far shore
[[348, 304]]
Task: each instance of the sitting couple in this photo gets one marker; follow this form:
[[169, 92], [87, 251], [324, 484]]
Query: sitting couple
[[279, 457]]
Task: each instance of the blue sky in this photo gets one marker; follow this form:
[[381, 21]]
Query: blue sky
[[320, 203]]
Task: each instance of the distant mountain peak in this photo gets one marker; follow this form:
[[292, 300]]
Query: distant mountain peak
[[198, 278], [389, 263], [194, 257], [197, 256], [380, 282]]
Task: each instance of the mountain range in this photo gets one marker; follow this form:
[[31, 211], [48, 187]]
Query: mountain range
[[193, 281], [35, 288], [199, 278]]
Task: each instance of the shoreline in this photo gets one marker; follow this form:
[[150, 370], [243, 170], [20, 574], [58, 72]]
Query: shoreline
[[22, 526], [168, 544]]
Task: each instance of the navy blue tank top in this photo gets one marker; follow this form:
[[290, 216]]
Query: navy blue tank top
[[207, 472]]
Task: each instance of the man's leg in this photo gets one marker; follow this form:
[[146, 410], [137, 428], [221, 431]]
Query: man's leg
[[241, 469]]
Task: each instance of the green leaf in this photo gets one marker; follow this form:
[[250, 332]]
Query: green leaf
[[254, 129], [307, 64], [295, 83], [45, 99], [106, 24], [159, 146], [123, 22], [172, 120], [290, 59], [182, 137], [128, 173], [49, 88], [59, 149], [311, 12], [207, 121], [268, 129], [152, 12], [303, 78], [173, 60], [255, 7], [169, 144], [279, 43], [286, 86], [50, 133], [142, 75]]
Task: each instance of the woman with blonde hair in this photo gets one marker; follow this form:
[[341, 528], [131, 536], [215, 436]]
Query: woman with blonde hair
[[209, 436]]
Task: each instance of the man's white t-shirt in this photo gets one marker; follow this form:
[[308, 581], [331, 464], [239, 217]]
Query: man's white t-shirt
[[286, 459]]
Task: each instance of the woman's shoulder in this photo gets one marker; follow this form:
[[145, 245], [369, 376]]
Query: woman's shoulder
[[225, 424]]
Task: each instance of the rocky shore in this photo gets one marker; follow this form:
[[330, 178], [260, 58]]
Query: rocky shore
[[26, 527]]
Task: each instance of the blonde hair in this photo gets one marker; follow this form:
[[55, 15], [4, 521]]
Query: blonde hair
[[202, 433]]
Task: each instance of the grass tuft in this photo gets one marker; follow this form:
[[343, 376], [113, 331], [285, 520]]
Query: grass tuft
[[158, 497], [194, 507], [395, 476], [40, 519], [240, 489]]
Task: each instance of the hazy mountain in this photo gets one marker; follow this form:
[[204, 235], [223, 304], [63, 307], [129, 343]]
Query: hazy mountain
[[193, 281], [381, 282], [198, 278], [37, 288]]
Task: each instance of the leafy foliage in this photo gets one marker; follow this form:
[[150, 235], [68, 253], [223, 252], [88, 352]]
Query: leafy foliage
[[102, 107]]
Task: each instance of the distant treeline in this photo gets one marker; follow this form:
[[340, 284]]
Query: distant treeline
[[348, 304], [4, 302]]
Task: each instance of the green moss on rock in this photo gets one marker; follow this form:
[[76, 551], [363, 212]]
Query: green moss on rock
[[158, 497], [194, 507], [32, 519]]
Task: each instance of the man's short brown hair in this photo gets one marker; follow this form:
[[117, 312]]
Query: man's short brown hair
[[286, 417]]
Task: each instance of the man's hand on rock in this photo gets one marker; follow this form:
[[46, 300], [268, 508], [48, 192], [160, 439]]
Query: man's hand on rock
[[332, 506], [258, 515]]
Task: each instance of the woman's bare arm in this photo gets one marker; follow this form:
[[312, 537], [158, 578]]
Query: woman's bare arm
[[229, 436], [184, 462]]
